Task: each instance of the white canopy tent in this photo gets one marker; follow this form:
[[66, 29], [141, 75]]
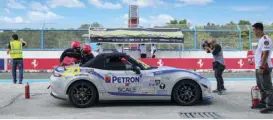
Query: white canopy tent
[[137, 36]]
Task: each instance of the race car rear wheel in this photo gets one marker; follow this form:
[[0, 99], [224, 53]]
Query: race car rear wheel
[[82, 94], [186, 93]]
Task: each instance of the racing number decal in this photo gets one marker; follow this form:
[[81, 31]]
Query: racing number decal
[[72, 71]]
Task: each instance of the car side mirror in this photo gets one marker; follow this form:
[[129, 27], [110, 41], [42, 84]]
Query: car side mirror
[[136, 69]]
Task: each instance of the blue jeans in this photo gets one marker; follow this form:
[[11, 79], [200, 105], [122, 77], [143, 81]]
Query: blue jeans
[[20, 65]]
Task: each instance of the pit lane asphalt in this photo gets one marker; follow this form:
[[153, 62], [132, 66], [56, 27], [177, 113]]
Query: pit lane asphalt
[[235, 104]]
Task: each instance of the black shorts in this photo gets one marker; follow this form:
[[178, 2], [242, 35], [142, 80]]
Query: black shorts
[[143, 55]]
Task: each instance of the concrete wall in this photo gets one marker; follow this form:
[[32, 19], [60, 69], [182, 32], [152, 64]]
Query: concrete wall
[[159, 54]]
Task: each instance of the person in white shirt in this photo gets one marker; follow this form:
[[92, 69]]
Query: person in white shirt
[[153, 50], [263, 66], [143, 51]]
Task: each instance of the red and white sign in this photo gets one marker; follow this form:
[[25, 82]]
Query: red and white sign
[[39, 64], [184, 63], [198, 63]]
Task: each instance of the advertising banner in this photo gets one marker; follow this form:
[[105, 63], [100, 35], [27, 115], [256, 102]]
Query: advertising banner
[[2, 64], [183, 63], [39, 64]]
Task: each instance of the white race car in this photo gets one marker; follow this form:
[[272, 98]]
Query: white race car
[[117, 76]]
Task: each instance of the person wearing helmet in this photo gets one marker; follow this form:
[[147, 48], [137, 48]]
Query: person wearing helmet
[[87, 55], [73, 52]]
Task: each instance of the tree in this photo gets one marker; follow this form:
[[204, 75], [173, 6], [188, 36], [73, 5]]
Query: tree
[[96, 25], [184, 22], [84, 26], [244, 22], [173, 22]]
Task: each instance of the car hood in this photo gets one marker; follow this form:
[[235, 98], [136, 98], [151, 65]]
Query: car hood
[[168, 68]]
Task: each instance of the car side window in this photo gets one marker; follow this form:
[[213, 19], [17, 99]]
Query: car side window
[[115, 63]]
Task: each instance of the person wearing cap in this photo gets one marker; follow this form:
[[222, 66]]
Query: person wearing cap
[[87, 54], [16, 55], [263, 69], [73, 52], [218, 64]]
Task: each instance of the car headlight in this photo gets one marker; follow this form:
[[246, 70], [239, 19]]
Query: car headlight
[[56, 74]]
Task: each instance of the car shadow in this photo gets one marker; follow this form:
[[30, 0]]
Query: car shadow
[[132, 103]]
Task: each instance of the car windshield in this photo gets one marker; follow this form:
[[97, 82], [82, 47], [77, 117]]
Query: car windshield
[[142, 63]]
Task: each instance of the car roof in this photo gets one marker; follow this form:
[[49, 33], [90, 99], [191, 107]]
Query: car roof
[[116, 54]]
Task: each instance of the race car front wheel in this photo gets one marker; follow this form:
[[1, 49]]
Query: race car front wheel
[[186, 93], [82, 94]]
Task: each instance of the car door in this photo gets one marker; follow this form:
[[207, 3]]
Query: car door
[[116, 81], [149, 83]]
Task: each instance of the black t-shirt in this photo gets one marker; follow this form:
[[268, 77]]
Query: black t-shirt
[[217, 49], [23, 44], [87, 58]]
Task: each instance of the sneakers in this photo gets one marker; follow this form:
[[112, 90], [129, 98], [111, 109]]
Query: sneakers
[[215, 91], [259, 106], [220, 92], [266, 110]]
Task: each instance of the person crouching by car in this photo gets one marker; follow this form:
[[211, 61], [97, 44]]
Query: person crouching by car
[[218, 64], [87, 54], [72, 54]]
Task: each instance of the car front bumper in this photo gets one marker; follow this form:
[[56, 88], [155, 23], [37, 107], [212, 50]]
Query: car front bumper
[[206, 90], [58, 87]]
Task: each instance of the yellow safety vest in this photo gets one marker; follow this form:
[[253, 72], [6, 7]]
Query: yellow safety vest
[[16, 49]]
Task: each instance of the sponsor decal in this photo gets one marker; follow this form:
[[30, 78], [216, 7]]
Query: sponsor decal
[[103, 93], [72, 71], [150, 92], [127, 89], [154, 83], [82, 75], [266, 43], [127, 84], [107, 79], [162, 92], [157, 82], [87, 70], [2, 64], [162, 86], [116, 79]]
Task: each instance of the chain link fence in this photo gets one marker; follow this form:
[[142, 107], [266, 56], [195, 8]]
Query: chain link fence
[[59, 36]]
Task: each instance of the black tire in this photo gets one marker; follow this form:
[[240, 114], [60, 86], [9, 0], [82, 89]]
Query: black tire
[[82, 94], [186, 93]]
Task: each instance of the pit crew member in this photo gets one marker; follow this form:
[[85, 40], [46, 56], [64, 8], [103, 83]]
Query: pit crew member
[[73, 52], [263, 66], [86, 54]]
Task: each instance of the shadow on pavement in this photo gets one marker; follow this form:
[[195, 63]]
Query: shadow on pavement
[[131, 103]]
